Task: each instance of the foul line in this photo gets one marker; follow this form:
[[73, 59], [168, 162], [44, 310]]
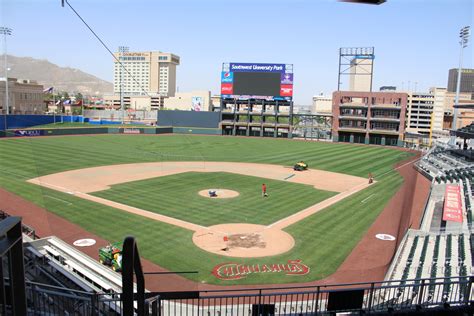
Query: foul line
[[399, 167], [57, 199], [367, 198]]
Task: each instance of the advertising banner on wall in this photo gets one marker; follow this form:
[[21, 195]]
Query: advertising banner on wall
[[197, 104], [452, 204], [29, 133]]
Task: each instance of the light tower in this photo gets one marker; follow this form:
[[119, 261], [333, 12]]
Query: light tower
[[6, 31], [464, 39], [122, 50]]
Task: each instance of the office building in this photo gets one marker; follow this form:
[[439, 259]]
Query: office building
[[24, 96], [135, 102], [419, 112], [369, 117], [439, 95], [322, 104], [467, 80], [152, 73]]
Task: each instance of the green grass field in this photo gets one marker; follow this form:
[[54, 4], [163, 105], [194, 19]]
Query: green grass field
[[165, 195], [323, 240]]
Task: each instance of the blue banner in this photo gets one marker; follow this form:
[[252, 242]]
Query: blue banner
[[248, 67], [227, 76]]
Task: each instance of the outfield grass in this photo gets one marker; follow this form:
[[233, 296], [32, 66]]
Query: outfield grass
[[323, 240], [165, 195]]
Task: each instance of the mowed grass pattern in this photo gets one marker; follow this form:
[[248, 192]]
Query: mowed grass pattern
[[165, 195], [323, 240]]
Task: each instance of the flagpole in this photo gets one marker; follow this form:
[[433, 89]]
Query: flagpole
[[54, 112]]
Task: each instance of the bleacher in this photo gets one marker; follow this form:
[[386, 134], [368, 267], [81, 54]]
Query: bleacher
[[425, 256]]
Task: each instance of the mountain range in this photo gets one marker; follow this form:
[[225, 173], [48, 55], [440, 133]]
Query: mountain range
[[67, 79]]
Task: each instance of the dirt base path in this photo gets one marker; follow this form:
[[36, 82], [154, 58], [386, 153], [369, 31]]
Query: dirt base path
[[94, 179], [212, 239]]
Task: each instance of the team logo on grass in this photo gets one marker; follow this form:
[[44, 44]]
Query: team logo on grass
[[236, 271]]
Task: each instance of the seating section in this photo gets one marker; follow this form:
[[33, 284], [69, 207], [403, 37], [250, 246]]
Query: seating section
[[434, 256], [445, 167], [438, 249]]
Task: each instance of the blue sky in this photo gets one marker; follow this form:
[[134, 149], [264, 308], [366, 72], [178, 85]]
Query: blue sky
[[414, 40]]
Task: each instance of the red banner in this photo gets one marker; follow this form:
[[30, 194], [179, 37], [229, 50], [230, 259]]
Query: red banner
[[227, 88], [452, 204]]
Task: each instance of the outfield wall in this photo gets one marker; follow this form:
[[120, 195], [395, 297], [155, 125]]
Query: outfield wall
[[189, 118], [25, 121], [32, 132]]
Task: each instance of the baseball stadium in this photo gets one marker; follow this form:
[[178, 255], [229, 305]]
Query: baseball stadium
[[253, 207]]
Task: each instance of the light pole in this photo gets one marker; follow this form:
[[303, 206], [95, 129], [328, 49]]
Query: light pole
[[122, 50], [464, 39], [6, 31]]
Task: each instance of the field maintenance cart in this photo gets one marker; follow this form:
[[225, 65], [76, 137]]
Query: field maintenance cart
[[300, 166], [111, 255]]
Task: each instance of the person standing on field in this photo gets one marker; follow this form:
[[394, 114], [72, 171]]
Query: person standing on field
[[264, 190]]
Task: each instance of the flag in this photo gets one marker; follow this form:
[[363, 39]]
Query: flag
[[79, 103], [67, 102], [49, 90]]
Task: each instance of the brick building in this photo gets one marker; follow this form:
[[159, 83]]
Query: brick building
[[369, 117]]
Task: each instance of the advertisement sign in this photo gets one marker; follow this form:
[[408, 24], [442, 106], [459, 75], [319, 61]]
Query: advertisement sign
[[236, 271], [249, 67], [452, 210], [132, 131], [28, 133], [227, 77], [286, 90], [286, 79], [196, 104], [226, 88]]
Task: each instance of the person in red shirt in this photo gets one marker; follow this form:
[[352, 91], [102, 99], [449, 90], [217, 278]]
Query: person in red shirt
[[264, 190]]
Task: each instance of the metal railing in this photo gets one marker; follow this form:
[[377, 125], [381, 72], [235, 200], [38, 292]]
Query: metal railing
[[361, 297]]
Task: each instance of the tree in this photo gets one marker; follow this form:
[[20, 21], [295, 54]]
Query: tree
[[79, 96]]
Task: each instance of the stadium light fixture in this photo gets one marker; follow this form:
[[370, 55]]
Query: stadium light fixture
[[376, 2], [6, 31]]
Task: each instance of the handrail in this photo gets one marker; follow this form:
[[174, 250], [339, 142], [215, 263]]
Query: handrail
[[131, 263]]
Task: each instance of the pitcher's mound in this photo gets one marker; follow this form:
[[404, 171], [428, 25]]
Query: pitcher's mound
[[221, 193], [243, 240]]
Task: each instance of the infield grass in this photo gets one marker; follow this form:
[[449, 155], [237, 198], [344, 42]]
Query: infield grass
[[323, 240], [165, 195]]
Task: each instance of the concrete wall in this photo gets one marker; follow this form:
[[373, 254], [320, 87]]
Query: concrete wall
[[184, 101], [189, 119]]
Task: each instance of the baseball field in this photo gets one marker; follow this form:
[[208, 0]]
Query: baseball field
[[155, 188]]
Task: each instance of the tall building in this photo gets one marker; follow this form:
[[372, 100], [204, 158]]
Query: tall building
[[150, 72], [419, 112], [439, 95], [360, 74], [467, 80], [369, 117], [24, 97]]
